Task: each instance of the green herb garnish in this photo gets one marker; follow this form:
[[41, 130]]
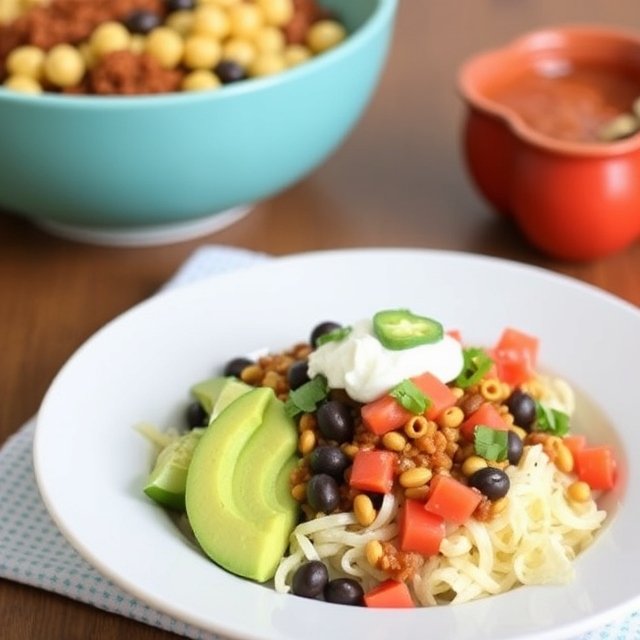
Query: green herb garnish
[[476, 364], [410, 397], [306, 397], [401, 329], [551, 420], [333, 336], [491, 444]]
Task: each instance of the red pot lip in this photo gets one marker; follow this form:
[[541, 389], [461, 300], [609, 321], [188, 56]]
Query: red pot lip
[[552, 38]]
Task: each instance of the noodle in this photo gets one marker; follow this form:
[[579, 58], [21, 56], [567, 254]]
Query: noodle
[[340, 541], [533, 541]]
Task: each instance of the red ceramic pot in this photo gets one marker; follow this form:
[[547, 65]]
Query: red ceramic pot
[[575, 199]]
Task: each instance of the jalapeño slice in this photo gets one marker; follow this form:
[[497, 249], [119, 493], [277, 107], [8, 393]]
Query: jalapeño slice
[[401, 329]]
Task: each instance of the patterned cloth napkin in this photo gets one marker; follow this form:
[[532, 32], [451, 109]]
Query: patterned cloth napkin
[[34, 552]]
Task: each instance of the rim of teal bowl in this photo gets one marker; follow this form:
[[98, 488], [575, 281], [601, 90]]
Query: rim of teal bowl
[[381, 17]]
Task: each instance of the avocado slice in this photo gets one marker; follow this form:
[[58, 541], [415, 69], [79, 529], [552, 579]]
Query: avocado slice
[[215, 394], [167, 481], [237, 492], [207, 391]]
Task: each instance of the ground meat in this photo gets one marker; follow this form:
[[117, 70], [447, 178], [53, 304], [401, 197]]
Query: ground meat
[[399, 565], [127, 73], [72, 21], [306, 12]]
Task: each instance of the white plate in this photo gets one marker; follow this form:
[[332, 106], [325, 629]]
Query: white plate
[[91, 464]]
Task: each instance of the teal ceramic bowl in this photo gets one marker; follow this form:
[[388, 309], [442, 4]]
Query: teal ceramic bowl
[[161, 167]]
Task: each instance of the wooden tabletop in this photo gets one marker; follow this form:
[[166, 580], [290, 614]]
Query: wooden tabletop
[[399, 180]]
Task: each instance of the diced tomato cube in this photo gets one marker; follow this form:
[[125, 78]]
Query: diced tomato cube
[[487, 416], [452, 500], [390, 594], [373, 471], [420, 530]]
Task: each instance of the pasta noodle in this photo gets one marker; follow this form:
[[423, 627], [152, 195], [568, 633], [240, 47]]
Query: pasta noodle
[[533, 541], [339, 541]]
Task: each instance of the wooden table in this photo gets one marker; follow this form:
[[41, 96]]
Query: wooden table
[[398, 181]]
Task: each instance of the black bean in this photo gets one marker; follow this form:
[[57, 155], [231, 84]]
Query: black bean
[[522, 407], [229, 71], [323, 493], [330, 460], [234, 367], [310, 579], [180, 5], [322, 329], [376, 499], [196, 415], [141, 21], [344, 591], [298, 374], [335, 421], [493, 483], [514, 447]]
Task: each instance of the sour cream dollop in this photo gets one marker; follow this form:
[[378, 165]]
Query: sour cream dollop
[[365, 369]]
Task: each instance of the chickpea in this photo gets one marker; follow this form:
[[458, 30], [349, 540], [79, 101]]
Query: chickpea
[[180, 21], [200, 80], [23, 84], [26, 61], [64, 65], [324, 35], [579, 491], [267, 64], [239, 50], [296, 54], [166, 46], [109, 36], [269, 40], [201, 52], [277, 12], [244, 20], [211, 20]]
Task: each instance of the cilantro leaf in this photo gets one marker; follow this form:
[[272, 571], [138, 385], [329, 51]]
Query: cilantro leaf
[[306, 397], [410, 397], [551, 420], [491, 444], [476, 364]]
